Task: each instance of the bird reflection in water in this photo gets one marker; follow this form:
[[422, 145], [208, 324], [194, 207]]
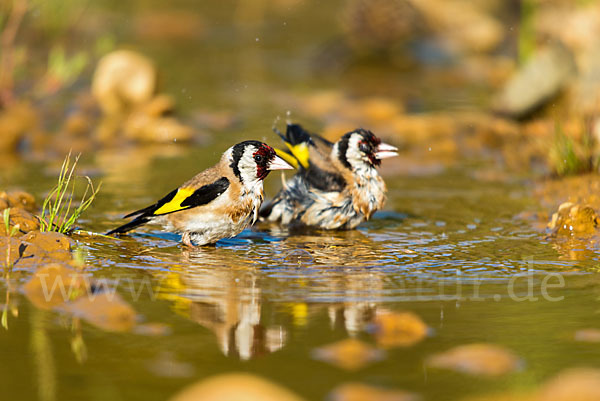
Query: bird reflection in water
[[219, 291]]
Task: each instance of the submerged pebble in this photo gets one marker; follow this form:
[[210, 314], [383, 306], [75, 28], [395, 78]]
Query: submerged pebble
[[235, 387], [574, 384], [107, 311], [588, 335], [54, 285], [398, 329], [363, 392], [477, 359], [349, 354]]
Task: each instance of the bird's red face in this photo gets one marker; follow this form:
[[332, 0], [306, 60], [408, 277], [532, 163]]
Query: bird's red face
[[252, 160], [266, 160], [263, 157]]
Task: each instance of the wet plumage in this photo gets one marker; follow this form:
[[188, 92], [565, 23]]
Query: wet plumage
[[217, 203], [337, 185]]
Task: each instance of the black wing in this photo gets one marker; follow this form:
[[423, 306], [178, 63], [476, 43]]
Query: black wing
[[179, 199]]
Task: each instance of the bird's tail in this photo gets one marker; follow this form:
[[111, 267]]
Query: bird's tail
[[297, 140], [135, 223]]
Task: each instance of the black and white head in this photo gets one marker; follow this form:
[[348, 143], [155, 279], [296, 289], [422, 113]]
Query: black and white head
[[361, 149], [251, 161]]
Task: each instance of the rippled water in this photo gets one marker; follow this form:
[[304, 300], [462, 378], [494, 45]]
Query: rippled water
[[453, 249], [447, 247]]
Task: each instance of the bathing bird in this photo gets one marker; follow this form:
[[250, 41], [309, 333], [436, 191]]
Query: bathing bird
[[217, 203], [337, 185]]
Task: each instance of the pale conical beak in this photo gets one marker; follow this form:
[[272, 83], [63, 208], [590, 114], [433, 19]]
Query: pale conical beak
[[384, 151], [279, 164]]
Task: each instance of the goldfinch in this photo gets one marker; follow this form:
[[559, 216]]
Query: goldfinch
[[337, 185], [217, 203]]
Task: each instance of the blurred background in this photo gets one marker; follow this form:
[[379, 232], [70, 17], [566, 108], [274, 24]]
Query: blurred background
[[467, 77], [493, 104]]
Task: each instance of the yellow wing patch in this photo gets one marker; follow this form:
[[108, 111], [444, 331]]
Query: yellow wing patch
[[300, 152], [175, 204], [287, 157]]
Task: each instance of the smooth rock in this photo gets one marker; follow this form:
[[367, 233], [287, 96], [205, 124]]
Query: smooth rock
[[574, 219], [235, 387], [477, 359], [17, 198], [398, 329], [349, 354], [107, 311], [53, 285], [25, 221], [123, 79], [363, 392], [539, 80]]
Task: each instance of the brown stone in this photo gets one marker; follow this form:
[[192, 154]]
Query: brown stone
[[123, 79], [21, 219], [477, 359], [53, 285], [107, 311], [49, 241], [349, 354], [573, 219], [363, 392], [398, 329], [235, 387], [17, 198]]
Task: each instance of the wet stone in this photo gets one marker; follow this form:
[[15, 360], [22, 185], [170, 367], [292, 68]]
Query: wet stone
[[477, 359], [363, 392], [146, 128], [462, 25], [16, 122], [166, 365], [25, 221], [107, 311], [576, 384], [588, 335], [47, 246], [398, 329], [10, 251], [152, 329], [542, 78], [54, 285], [235, 387], [17, 198], [572, 219], [48, 241], [122, 80], [349, 354]]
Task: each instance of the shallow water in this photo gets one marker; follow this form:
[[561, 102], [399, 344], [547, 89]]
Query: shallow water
[[449, 247]]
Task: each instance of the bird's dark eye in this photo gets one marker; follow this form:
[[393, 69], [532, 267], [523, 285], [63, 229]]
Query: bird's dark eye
[[258, 159], [363, 148]]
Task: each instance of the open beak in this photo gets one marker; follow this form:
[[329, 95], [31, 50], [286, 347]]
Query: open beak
[[279, 164], [384, 151]]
